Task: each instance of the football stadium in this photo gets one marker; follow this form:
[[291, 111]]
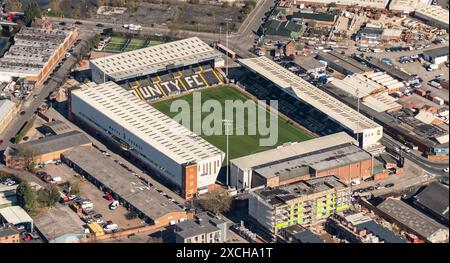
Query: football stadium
[[239, 145], [162, 70]]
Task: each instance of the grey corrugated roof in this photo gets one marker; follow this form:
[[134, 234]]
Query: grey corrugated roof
[[381, 232], [410, 217], [314, 16], [51, 144], [437, 52], [435, 198]]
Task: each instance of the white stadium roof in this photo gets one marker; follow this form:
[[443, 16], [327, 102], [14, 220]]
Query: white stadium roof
[[298, 87], [146, 122], [154, 59]]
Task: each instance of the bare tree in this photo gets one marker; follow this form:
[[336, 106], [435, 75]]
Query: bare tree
[[216, 201]]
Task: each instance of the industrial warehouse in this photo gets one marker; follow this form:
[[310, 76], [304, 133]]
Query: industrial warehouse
[[355, 124], [109, 176], [35, 54], [161, 70], [160, 143]]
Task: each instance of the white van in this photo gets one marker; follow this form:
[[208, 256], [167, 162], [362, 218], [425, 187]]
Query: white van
[[111, 227], [114, 205]]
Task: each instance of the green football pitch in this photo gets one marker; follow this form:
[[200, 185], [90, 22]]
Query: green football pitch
[[239, 145]]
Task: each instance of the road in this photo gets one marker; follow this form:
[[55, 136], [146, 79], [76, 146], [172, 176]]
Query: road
[[413, 156], [38, 96], [240, 41]]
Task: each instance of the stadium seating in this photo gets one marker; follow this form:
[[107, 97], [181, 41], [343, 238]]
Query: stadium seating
[[172, 82]]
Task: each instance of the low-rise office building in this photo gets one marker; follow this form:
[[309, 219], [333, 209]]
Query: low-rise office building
[[304, 203], [204, 228], [43, 150], [317, 18]]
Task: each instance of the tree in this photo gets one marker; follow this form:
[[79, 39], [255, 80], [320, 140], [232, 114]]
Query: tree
[[216, 201], [74, 188], [27, 197], [49, 196], [32, 10], [131, 215]]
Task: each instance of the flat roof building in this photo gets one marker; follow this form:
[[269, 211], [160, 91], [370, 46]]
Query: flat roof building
[[434, 14], [9, 234], [43, 150], [35, 53], [59, 224], [204, 228], [310, 64], [413, 221], [179, 155], [299, 234], [102, 171], [298, 203], [300, 89], [151, 60]]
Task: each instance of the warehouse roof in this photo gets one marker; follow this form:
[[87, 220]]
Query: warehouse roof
[[407, 6], [437, 52], [390, 69], [435, 198], [15, 215], [309, 63], [5, 108], [314, 16], [50, 144], [32, 49], [300, 88], [410, 217], [153, 59], [434, 12], [123, 183], [345, 62], [144, 121], [57, 222], [291, 150], [319, 160], [368, 90]]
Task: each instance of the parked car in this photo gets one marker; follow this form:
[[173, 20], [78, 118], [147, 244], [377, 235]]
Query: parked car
[[445, 170], [114, 205], [389, 185]]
